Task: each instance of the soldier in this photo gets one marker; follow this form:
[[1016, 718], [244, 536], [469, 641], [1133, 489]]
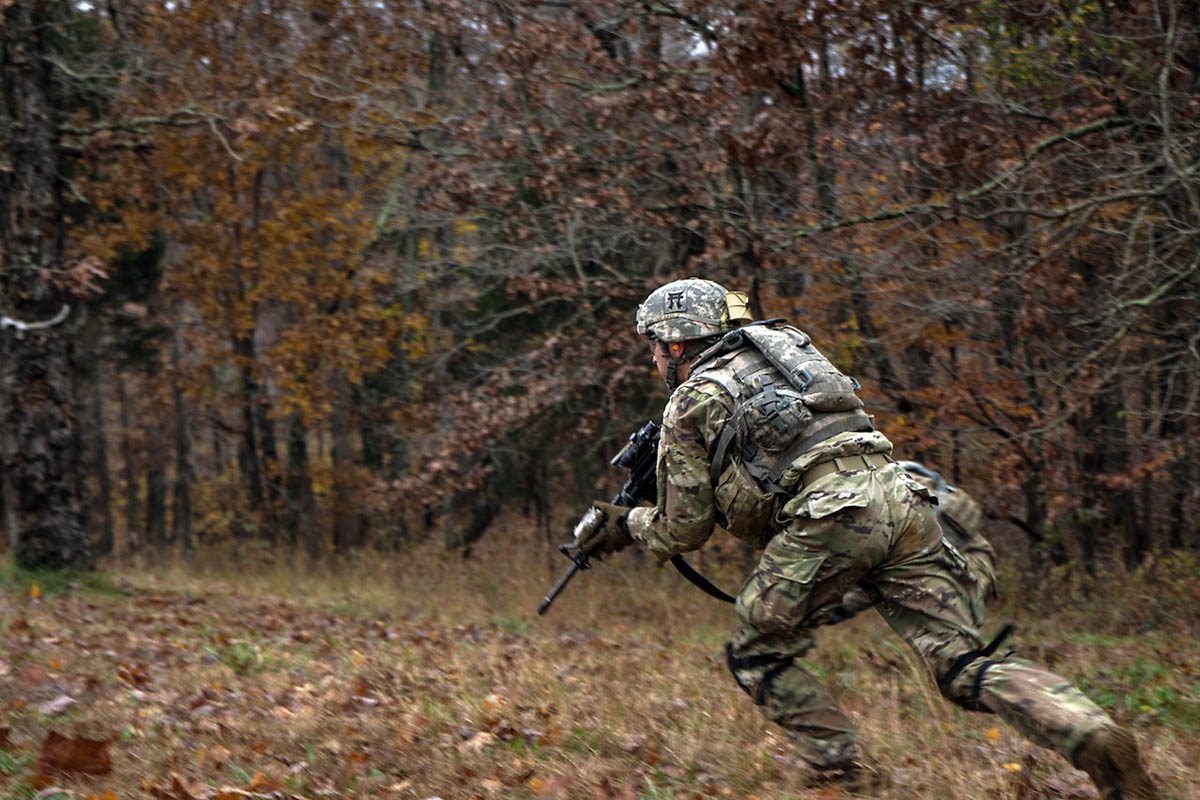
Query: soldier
[[764, 436], [961, 518]]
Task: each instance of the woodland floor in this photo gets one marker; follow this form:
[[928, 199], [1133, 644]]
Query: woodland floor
[[426, 676]]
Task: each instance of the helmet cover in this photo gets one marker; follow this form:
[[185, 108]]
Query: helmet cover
[[692, 308]]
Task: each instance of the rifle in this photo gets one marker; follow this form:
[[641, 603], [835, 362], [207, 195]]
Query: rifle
[[640, 457]]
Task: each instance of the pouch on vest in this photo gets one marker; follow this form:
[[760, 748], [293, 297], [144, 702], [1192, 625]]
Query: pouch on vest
[[770, 418], [748, 511]]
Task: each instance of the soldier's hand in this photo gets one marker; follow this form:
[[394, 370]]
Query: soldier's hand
[[610, 536]]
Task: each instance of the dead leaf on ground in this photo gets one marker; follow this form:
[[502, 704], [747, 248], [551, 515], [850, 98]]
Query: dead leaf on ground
[[133, 674], [5, 742], [477, 742], [180, 789], [83, 755], [217, 755], [58, 705]]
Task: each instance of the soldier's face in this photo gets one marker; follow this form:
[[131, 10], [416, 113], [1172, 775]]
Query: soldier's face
[[660, 358]]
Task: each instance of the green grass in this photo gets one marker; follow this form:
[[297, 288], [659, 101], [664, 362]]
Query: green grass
[[52, 583], [12, 765]]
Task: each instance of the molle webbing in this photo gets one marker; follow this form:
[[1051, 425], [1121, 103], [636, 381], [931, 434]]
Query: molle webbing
[[826, 426], [739, 365]]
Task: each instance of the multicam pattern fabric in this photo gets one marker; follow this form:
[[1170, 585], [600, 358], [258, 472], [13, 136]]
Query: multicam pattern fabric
[[961, 518], [872, 527], [692, 308], [685, 515]]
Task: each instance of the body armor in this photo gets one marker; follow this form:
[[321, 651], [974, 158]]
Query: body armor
[[788, 398]]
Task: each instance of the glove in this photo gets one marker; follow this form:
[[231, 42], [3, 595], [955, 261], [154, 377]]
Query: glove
[[609, 536]]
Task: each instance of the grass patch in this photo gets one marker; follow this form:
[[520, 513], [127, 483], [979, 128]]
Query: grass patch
[[34, 583], [11, 764], [244, 658]]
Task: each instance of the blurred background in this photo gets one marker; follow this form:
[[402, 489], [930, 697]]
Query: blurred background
[[345, 276]]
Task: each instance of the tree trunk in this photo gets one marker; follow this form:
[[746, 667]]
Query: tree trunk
[[347, 523], [181, 506], [156, 495], [37, 394], [248, 461], [129, 471], [269, 462], [100, 505], [301, 506]]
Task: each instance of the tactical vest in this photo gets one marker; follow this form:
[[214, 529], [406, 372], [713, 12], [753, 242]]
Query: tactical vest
[[787, 398]]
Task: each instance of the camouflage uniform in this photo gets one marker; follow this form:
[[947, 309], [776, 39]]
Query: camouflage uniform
[[859, 519], [961, 518]]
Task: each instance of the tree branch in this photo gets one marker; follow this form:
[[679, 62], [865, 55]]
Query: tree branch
[[1106, 123]]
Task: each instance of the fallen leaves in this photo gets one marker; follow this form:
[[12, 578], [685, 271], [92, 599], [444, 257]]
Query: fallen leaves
[[58, 705], [60, 755], [477, 742], [180, 788], [461, 708]]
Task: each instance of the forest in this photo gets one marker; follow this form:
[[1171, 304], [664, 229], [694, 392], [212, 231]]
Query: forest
[[331, 284], [335, 270]]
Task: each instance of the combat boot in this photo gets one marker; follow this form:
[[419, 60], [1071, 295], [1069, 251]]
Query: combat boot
[[1110, 757]]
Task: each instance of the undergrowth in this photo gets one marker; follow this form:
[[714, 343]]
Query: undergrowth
[[424, 675]]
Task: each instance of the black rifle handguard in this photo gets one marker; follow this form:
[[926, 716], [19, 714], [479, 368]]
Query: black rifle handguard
[[640, 457]]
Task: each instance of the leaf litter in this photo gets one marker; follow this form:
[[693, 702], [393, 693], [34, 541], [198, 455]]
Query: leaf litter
[[178, 697]]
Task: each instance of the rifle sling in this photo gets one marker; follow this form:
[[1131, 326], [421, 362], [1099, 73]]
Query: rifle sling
[[699, 581]]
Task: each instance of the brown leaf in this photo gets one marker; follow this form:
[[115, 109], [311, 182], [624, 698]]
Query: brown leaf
[[88, 756], [180, 789], [5, 742], [133, 674]]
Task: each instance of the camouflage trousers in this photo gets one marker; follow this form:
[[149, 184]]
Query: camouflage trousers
[[878, 529]]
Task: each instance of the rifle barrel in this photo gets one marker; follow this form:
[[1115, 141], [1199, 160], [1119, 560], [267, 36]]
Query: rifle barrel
[[558, 587]]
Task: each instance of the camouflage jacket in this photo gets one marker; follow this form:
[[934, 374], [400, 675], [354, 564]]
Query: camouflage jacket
[[686, 512]]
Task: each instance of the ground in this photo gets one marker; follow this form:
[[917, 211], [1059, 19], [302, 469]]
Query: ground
[[422, 675]]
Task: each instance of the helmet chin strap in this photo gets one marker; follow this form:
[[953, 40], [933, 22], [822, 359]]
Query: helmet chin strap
[[675, 359]]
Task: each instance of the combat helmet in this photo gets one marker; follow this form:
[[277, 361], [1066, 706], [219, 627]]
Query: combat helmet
[[692, 308], [685, 310]]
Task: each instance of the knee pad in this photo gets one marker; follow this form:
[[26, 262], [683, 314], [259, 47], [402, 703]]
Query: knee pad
[[946, 680], [755, 673]]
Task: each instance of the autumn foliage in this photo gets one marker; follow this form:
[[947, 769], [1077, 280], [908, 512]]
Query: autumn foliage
[[343, 271]]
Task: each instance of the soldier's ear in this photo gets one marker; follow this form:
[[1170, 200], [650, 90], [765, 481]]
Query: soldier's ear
[[676, 349]]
